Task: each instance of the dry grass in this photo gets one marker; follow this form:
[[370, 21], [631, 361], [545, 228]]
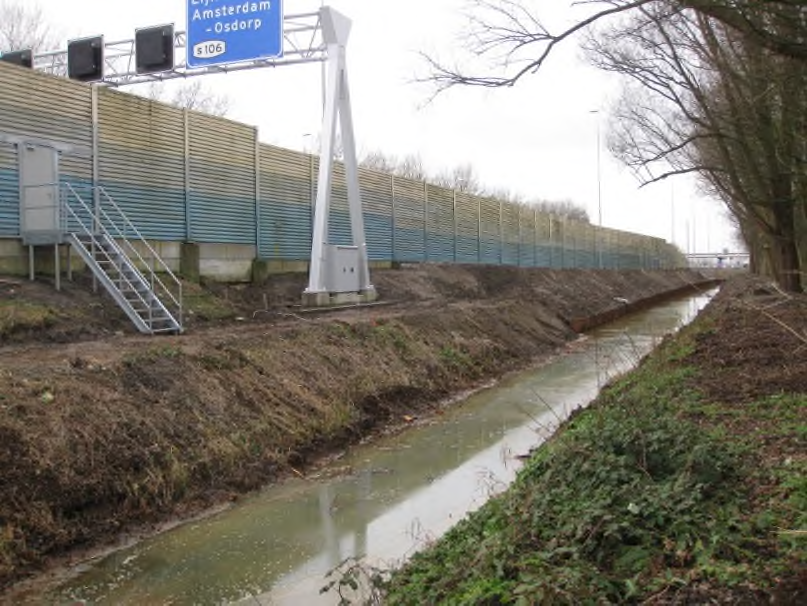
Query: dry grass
[[102, 436]]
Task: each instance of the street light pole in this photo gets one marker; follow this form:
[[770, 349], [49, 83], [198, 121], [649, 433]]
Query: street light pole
[[672, 214], [599, 189], [459, 184], [599, 169]]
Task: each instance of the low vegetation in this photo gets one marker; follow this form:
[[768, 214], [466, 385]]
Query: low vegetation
[[19, 317], [685, 482]]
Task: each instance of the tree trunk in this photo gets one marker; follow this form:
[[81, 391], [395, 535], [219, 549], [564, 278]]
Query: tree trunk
[[785, 253], [785, 262]]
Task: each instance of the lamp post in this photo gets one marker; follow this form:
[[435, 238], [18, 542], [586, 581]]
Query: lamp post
[[599, 190], [459, 184], [672, 214], [599, 169]]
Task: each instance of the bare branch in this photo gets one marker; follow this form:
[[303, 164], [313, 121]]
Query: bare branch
[[679, 172], [518, 30], [196, 97], [23, 26]]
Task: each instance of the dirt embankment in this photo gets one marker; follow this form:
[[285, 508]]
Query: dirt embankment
[[102, 430]]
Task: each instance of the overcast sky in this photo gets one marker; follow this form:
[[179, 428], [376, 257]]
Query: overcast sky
[[538, 139]]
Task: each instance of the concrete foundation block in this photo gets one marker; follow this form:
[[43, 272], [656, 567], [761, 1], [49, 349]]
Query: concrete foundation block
[[189, 261], [328, 299], [226, 262], [13, 257], [262, 269]]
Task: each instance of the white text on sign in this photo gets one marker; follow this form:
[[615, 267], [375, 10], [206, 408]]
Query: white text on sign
[[241, 12], [210, 49]]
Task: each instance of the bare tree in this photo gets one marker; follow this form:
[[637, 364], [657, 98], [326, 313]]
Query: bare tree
[[504, 194], [195, 96], [777, 26], [512, 32], [461, 178], [708, 99], [563, 208], [715, 90], [760, 101], [192, 95], [411, 167], [23, 26], [560, 208], [378, 160]]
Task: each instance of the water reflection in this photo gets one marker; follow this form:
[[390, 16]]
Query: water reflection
[[390, 498]]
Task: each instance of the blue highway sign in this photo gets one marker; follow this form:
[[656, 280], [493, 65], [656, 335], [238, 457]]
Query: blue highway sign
[[231, 31]]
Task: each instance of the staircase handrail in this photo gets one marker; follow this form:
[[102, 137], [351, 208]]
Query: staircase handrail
[[155, 258], [69, 212], [101, 223]]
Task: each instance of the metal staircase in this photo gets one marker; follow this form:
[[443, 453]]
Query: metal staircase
[[122, 260]]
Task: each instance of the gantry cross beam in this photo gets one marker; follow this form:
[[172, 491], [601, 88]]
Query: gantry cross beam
[[302, 43]]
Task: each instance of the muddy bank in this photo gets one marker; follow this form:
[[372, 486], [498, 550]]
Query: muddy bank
[[100, 435]]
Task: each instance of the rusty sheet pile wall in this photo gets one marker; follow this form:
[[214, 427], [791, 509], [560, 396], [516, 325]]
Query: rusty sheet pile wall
[[182, 176]]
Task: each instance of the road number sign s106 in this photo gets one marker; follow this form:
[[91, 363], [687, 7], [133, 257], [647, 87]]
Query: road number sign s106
[[209, 49]]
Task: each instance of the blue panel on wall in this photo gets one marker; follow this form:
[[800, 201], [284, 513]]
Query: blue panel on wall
[[9, 203], [409, 245], [526, 255], [557, 255], [510, 253], [440, 248], [378, 231], [80, 199], [157, 213], [543, 256], [224, 220], [491, 250], [339, 231], [467, 250], [285, 231]]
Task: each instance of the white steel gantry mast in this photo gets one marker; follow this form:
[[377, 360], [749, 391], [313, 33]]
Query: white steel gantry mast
[[337, 269]]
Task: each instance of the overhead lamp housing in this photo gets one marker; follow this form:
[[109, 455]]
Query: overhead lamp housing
[[85, 59], [25, 58], [154, 49]]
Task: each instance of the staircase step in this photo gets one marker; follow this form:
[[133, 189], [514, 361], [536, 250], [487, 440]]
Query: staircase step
[[134, 300], [130, 287], [162, 323], [141, 307], [133, 296]]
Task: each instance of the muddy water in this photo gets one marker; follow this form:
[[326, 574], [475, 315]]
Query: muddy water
[[383, 501]]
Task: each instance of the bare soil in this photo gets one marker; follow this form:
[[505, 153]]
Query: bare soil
[[103, 430], [763, 348], [753, 359]]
